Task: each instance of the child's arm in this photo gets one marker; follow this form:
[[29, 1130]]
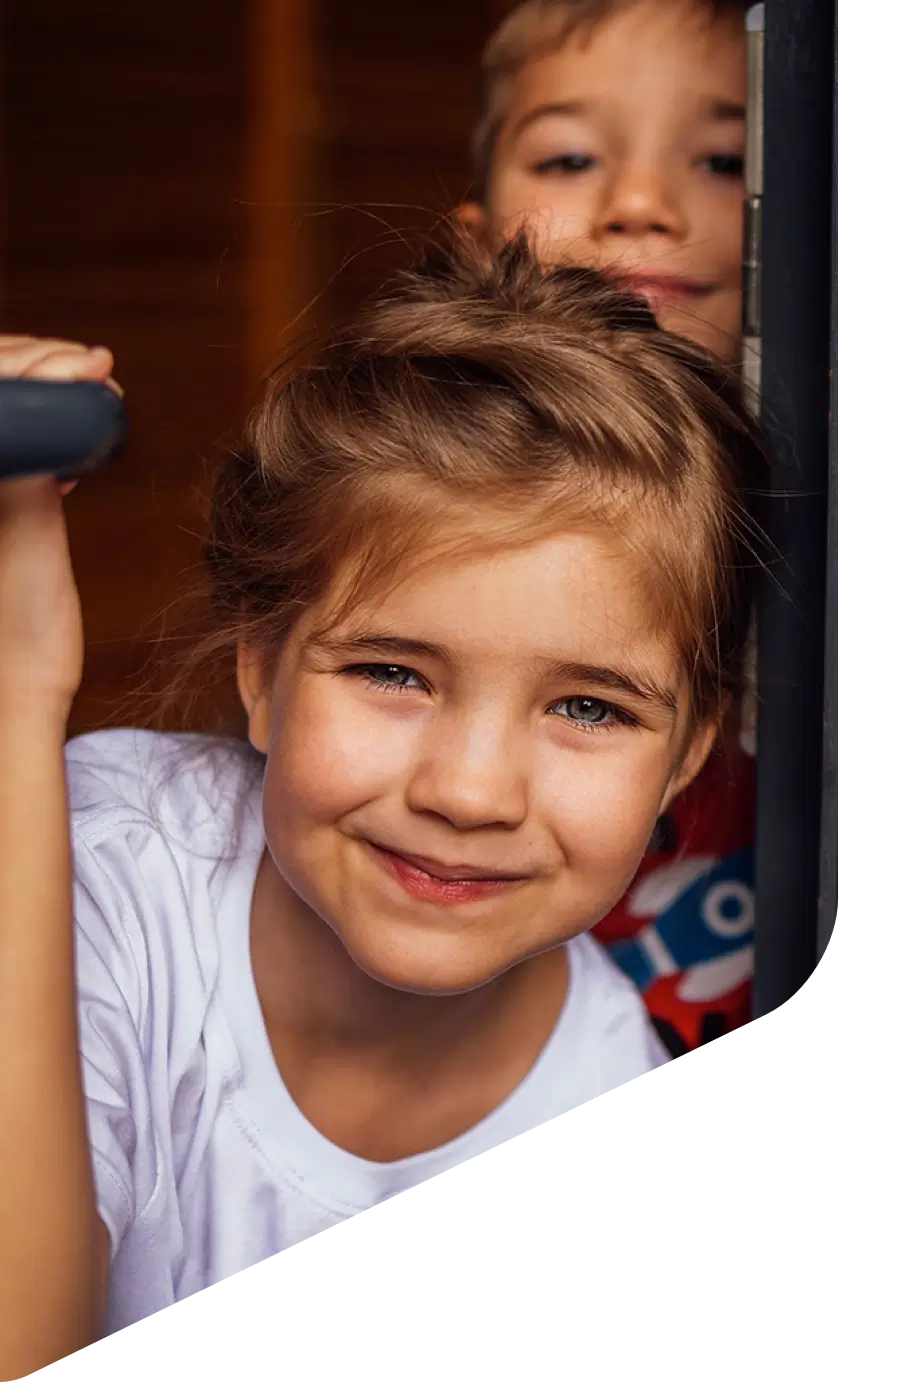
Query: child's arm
[[53, 1248]]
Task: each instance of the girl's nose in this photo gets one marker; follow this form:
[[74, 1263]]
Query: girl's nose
[[471, 776]]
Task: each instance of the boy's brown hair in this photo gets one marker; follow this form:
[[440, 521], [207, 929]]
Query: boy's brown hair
[[493, 400], [536, 29]]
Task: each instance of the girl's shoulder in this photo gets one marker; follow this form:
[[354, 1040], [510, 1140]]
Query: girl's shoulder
[[166, 838], [192, 788], [606, 1011], [163, 875]]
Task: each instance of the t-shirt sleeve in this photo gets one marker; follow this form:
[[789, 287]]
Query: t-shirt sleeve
[[109, 980]]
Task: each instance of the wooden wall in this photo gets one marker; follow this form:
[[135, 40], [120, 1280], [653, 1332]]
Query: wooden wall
[[400, 91], [180, 182]]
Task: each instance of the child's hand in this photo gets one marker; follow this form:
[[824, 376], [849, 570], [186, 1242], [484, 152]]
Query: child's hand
[[41, 641]]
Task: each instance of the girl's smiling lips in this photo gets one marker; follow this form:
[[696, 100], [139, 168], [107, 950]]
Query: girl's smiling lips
[[432, 881]]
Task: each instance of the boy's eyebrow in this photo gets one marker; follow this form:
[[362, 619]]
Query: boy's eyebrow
[[714, 109], [608, 679], [548, 108]]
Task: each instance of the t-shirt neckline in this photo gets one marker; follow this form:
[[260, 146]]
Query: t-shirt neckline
[[283, 1134]]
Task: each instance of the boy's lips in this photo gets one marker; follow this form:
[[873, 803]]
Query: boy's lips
[[659, 289]]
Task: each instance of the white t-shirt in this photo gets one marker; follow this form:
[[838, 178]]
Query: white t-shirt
[[203, 1163]]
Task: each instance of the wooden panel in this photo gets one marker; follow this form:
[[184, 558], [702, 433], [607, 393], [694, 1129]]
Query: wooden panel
[[126, 225], [399, 87], [182, 181], [285, 271]]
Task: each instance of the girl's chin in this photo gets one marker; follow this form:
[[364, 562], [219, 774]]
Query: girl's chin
[[426, 969]]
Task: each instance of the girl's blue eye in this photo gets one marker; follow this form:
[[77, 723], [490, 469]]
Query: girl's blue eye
[[589, 713], [725, 165], [388, 675], [566, 163]]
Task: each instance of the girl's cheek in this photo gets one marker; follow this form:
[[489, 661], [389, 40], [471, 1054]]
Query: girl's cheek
[[331, 756], [603, 812]]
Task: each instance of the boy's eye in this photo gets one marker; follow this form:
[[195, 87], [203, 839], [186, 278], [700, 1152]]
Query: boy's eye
[[724, 165], [590, 713], [566, 163]]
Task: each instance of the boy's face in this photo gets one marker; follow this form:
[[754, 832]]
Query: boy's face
[[624, 152]]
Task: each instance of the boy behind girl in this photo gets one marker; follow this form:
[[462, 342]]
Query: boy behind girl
[[614, 130]]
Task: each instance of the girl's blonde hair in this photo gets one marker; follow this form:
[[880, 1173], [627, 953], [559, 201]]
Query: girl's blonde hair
[[489, 399], [535, 29]]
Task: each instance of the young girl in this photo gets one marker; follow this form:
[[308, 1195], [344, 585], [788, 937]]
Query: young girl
[[486, 583]]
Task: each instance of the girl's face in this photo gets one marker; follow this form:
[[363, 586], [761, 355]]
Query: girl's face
[[466, 771], [625, 151]]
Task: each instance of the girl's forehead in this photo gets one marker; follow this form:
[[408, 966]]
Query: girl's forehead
[[561, 594]]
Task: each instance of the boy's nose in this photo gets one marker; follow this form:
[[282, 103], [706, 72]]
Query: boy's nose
[[638, 201], [472, 777]]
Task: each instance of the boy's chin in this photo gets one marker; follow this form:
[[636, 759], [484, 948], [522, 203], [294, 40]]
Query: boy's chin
[[721, 337]]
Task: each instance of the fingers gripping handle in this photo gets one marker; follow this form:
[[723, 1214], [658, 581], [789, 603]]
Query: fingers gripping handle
[[63, 429]]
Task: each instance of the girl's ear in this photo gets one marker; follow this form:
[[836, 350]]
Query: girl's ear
[[254, 690], [693, 760]]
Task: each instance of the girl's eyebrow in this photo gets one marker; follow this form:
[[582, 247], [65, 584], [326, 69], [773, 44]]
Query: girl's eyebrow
[[385, 645], [611, 679], [607, 679]]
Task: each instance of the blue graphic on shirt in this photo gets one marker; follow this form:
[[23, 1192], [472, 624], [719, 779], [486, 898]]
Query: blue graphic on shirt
[[713, 918]]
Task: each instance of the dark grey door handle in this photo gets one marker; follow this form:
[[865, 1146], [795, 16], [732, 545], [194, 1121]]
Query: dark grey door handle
[[50, 428]]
